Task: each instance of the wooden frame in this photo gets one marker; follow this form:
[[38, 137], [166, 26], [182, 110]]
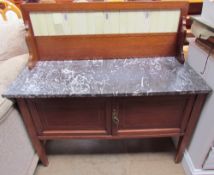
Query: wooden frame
[[41, 115], [38, 134], [104, 46]]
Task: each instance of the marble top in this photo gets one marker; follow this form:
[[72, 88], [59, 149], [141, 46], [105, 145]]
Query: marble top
[[114, 77]]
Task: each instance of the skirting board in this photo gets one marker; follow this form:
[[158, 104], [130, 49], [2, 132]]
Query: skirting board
[[190, 169]]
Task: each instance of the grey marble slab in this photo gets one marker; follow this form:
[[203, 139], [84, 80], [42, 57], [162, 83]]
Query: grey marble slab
[[115, 77]]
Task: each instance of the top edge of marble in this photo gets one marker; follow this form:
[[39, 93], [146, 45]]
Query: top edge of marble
[[107, 78]]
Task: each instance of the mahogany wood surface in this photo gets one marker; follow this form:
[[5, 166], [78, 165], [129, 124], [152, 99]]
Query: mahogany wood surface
[[30, 40], [100, 6], [148, 133], [106, 46], [138, 114], [39, 147], [181, 39], [108, 117], [68, 114], [195, 8], [32, 48], [103, 46], [195, 114], [94, 118]]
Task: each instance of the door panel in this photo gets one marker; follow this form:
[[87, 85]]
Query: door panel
[[140, 116], [151, 113], [77, 116]]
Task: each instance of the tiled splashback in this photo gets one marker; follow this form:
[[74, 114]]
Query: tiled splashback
[[108, 22]]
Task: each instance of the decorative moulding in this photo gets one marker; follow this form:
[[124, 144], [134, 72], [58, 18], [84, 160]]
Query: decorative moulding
[[190, 169]]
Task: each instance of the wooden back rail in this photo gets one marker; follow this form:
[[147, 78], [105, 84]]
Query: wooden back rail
[[104, 46]]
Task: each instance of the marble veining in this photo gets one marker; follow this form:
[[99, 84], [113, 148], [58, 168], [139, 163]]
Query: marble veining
[[114, 77]]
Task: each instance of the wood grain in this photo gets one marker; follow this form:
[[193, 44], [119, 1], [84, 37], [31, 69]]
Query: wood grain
[[100, 6], [32, 131], [153, 133], [145, 116], [92, 118], [106, 46], [53, 116], [184, 140], [136, 115], [112, 46]]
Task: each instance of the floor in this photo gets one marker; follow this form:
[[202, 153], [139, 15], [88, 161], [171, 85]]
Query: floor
[[117, 157]]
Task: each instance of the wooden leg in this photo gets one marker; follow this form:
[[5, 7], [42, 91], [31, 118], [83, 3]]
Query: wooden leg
[[180, 149], [39, 147], [184, 140]]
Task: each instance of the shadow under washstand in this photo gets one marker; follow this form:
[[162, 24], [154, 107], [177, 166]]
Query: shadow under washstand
[[153, 145]]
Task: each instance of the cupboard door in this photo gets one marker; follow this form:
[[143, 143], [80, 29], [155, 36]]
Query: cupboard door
[[147, 116], [71, 116]]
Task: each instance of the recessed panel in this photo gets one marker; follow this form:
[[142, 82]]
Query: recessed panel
[[73, 115], [151, 112]]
